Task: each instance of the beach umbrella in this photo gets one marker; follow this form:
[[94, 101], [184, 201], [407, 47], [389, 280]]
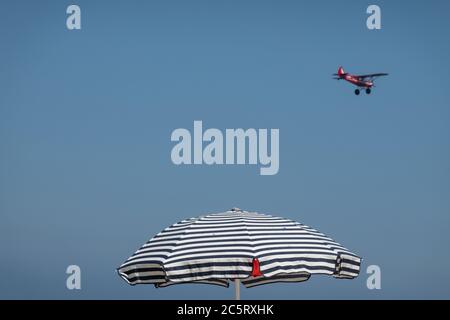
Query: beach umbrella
[[239, 246]]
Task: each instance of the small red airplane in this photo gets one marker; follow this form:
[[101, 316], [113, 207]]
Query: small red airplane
[[364, 81]]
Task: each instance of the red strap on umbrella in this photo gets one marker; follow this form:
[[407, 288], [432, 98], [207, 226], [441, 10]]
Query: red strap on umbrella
[[256, 272]]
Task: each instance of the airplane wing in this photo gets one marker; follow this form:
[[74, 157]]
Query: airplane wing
[[371, 76]]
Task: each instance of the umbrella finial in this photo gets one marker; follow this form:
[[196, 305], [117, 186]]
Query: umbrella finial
[[256, 272]]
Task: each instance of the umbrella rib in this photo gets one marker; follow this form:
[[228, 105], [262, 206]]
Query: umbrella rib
[[181, 236], [252, 245]]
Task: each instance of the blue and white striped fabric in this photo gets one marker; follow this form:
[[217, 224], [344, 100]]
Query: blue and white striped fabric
[[216, 248]]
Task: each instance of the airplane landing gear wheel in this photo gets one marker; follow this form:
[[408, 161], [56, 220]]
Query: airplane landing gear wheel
[[357, 91], [368, 91]]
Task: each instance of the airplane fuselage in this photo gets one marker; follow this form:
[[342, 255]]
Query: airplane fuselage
[[357, 82]]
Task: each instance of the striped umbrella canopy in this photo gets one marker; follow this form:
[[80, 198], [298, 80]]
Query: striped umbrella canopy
[[239, 246]]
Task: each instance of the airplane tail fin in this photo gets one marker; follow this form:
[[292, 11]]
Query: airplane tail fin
[[340, 74]]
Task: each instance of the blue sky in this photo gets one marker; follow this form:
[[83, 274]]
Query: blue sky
[[86, 118]]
